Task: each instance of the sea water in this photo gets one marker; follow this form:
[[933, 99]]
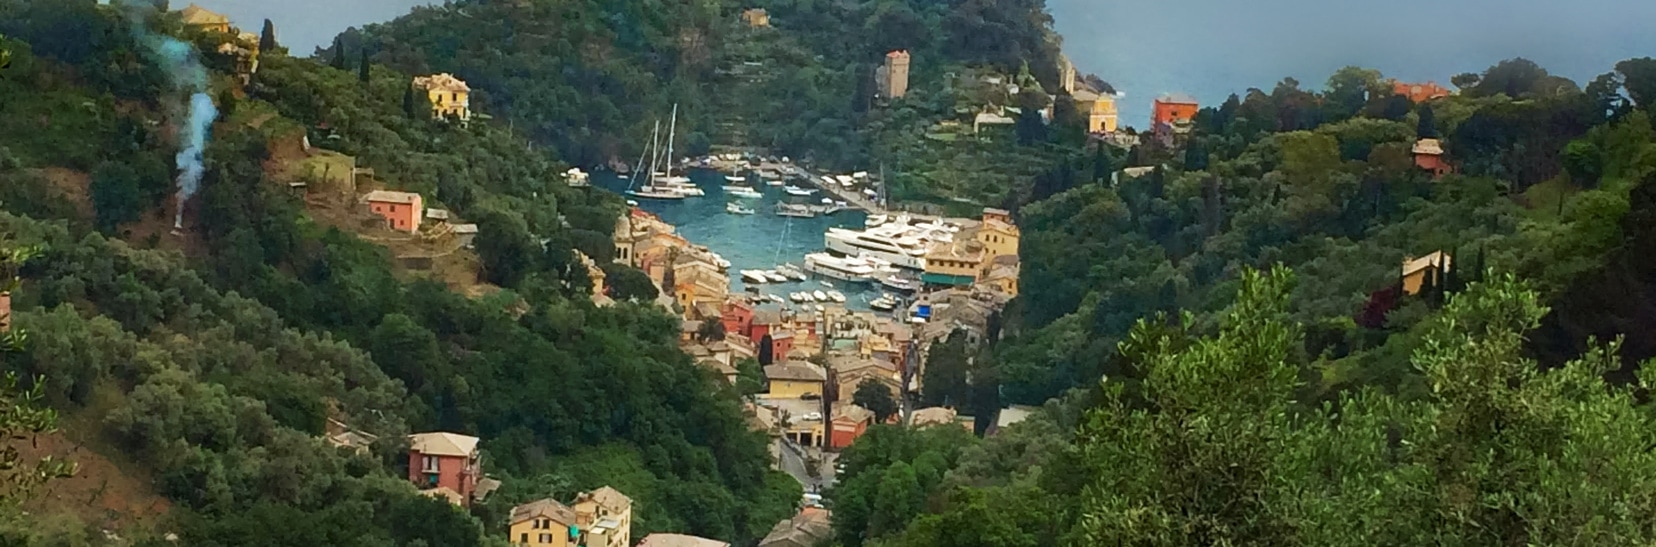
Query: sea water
[[759, 241]]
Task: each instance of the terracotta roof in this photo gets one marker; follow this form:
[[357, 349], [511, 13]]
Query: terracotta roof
[[197, 15], [608, 498], [444, 492], [391, 196], [443, 444], [766, 317], [544, 508], [853, 413], [797, 372], [932, 416], [679, 540], [809, 528], [441, 82]]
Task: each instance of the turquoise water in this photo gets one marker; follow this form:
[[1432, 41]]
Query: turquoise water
[[760, 241]]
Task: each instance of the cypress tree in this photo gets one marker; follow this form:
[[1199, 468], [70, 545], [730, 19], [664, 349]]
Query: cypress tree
[[1427, 127], [267, 38], [408, 101], [338, 55], [1101, 164], [362, 69]]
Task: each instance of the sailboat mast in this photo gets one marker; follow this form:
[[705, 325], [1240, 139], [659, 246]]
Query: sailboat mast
[[655, 140], [641, 155], [671, 127]]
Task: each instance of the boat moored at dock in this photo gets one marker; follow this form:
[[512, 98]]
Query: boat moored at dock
[[843, 269]]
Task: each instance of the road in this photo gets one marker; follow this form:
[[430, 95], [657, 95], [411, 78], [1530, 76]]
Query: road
[[793, 463]]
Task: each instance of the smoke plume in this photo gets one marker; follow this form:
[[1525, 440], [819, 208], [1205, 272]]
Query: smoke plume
[[184, 70]]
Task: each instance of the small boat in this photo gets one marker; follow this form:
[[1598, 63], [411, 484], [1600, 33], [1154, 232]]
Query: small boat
[[820, 296], [775, 298], [744, 192], [655, 192], [733, 178], [796, 297], [805, 297], [720, 262], [754, 276], [899, 283], [797, 191], [775, 277], [836, 296], [820, 308], [791, 210], [883, 303], [774, 182], [737, 209], [632, 203], [793, 272], [825, 283]]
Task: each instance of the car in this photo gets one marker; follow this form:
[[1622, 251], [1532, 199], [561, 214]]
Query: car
[[812, 417], [811, 396]]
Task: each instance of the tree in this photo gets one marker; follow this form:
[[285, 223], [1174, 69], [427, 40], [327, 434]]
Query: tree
[[1102, 169], [1584, 161], [338, 54], [944, 382], [875, 396], [22, 417], [1465, 80], [628, 283], [267, 38], [362, 68], [1195, 157], [1426, 128], [408, 102], [116, 197], [711, 331], [1350, 88], [766, 348], [750, 377], [1639, 79]]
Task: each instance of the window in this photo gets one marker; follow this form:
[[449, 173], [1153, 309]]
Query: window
[[546, 538], [523, 538], [429, 464]]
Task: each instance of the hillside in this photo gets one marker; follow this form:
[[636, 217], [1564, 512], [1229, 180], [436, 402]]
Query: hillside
[[215, 356]]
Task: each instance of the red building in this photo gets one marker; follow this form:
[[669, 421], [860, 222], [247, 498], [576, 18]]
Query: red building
[[1419, 92], [445, 461], [1173, 109], [1428, 155], [737, 317], [850, 422], [782, 342]]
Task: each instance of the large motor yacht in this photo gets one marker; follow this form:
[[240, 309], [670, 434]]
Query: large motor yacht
[[843, 269], [890, 243]]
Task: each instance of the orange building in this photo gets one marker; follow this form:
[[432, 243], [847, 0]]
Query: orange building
[[1174, 108], [445, 464], [402, 210], [1419, 92], [1428, 155], [850, 422]]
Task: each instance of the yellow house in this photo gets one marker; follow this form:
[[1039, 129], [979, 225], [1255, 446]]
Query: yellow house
[[1100, 109], [1416, 270], [542, 523], [604, 517], [998, 235], [954, 264], [449, 96], [1003, 278], [793, 380], [200, 18], [756, 17]]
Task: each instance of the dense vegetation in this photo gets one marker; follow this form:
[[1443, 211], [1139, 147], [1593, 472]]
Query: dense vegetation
[[1323, 406], [217, 368], [590, 77]]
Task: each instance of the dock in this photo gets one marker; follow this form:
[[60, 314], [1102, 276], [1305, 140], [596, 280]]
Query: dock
[[853, 198]]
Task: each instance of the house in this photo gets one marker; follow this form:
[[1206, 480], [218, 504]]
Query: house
[[1419, 93], [200, 18], [543, 522], [955, 264], [450, 97], [810, 528], [737, 316], [1417, 271], [998, 234], [439, 215], [1100, 109], [1428, 155], [445, 461], [466, 234], [992, 119], [605, 518], [756, 17], [892, 78], [402, 210], [782, 343], [849, 423], [1173, 109], [1011, 415], [1002, 277], [341, 435], [679, 540], [794, 380], [594, 273], [848, 373]]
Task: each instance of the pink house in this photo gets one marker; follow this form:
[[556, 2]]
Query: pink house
[[402, 210], [445, 464]]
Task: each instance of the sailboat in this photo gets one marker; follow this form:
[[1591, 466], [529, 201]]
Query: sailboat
[[682, 185], [650, 190]]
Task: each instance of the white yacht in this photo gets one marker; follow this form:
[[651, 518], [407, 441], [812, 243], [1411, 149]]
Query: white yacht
[[754, 276], [836, 296], [743, 192], [820, 296], [774, 182], [775, 277], [791, 271], [894, 246], [838, 268], [797, 191], [737, 209], [883, 303]]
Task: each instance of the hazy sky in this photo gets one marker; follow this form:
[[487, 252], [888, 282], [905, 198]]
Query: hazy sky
[[1211, 48]]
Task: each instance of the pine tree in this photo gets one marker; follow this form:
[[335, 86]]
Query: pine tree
[[339, 55], [362, 69], [1101, 164], [1196, 158], [267, 38]]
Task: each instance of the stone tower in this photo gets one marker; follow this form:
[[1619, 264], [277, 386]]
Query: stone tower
[[896, 75]]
